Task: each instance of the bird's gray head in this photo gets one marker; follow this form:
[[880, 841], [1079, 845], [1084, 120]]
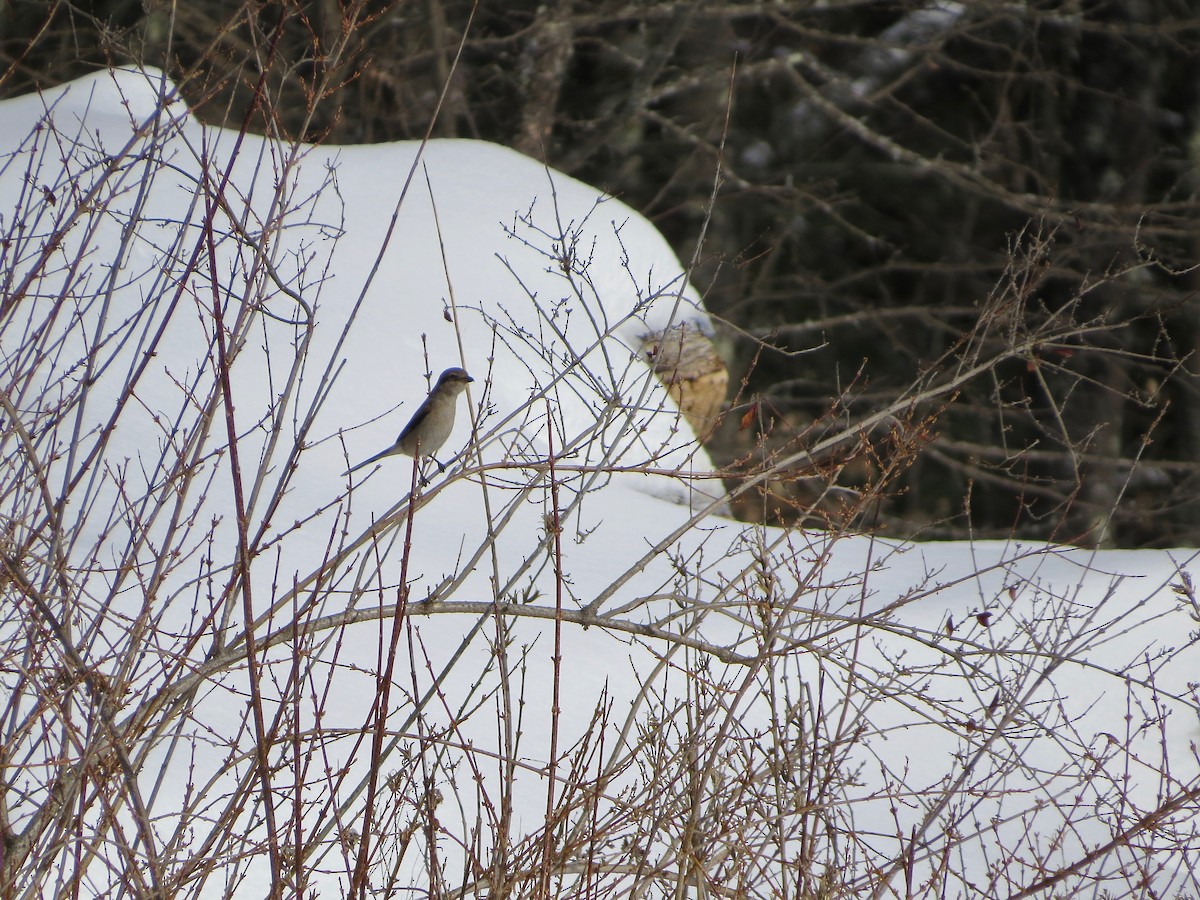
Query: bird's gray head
[[455, 379]]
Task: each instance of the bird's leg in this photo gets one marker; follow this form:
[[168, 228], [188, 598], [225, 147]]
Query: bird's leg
[[421, 476]]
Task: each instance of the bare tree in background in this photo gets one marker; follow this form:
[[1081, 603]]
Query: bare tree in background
[[881, 164]]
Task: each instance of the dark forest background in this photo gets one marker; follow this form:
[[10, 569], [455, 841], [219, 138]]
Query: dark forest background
[[905, 189]]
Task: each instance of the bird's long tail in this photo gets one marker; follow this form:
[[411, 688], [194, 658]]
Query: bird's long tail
[[366, 462]]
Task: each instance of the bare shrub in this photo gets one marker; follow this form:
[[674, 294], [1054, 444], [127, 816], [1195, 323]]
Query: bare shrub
[[227, 672]]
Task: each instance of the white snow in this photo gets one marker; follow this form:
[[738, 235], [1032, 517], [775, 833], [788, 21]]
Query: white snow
[[1078, 690]]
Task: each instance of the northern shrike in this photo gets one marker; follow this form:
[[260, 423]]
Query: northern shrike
[[431, 424]]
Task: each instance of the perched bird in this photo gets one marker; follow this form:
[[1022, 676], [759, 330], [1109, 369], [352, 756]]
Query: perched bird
[[431, 424]]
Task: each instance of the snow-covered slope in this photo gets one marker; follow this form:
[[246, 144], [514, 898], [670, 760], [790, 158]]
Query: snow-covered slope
[[201, 330]]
